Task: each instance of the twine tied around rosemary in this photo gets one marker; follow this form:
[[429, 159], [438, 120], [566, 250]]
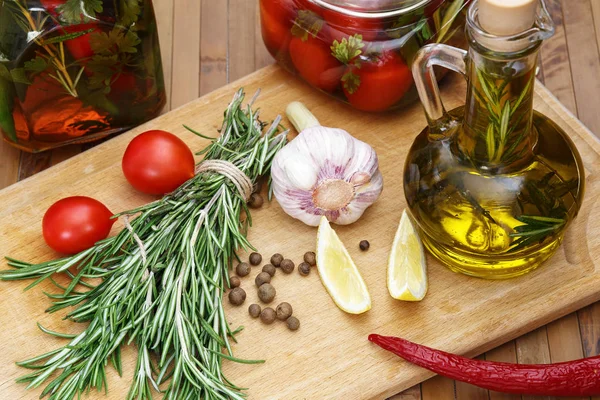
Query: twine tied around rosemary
[[227, 169], [232, 172]]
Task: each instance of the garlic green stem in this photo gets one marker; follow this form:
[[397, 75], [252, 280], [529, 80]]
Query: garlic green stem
[[300, 116]]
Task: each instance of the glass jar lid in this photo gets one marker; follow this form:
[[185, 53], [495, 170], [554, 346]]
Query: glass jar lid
[[372, 8]]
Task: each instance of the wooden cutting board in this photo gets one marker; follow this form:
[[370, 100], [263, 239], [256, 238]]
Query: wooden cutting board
[[329, 357]]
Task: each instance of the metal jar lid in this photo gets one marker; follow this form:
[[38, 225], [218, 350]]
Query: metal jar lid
[[372, 8]]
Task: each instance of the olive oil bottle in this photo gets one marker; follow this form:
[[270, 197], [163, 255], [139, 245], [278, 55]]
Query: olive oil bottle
[[494, 184]]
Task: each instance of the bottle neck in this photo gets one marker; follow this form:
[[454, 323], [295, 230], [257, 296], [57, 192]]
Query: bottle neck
[[499, 109]]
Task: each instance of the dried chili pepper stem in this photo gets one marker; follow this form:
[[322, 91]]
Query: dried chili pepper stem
[[573, 378]]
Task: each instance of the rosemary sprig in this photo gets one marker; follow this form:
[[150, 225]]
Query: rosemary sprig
[[165, 296], [444, 23], [535, 229], [53, 49], [503, 115]]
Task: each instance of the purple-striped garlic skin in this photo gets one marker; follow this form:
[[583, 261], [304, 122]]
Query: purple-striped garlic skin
[[326, 171]]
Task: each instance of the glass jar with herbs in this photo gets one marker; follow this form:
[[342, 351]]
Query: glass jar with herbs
[[73, 71], [359, 51]]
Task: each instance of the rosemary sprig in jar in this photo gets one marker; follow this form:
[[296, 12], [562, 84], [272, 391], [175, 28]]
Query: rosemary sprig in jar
[[52, 51], [162, 281], [503, 130]]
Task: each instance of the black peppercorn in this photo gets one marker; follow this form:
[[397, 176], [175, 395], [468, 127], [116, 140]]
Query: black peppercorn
[[254, 310], [276, 259], [293, 323], [266, 293], [304, 268], [234, 282], [287, 266], [269, 269], [255, 258], [284, 311], [256, 201], [311, 258], [262, 278], [364, 245], [237, 296], [242, 269], [267, 315]]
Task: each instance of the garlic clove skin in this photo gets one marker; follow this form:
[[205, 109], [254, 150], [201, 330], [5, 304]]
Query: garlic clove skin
[[326, 171]]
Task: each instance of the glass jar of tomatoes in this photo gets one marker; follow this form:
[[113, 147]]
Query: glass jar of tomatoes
[[360, 51], [73, 71]]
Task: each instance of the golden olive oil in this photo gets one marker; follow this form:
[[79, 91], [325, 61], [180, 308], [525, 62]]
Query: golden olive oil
[[493, 224], [492, 185]]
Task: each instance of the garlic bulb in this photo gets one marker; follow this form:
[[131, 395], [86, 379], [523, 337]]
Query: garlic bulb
[[324, 171]]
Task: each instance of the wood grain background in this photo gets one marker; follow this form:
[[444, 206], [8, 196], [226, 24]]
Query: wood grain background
[[208, 43]]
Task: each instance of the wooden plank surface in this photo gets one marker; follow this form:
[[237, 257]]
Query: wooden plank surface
[[208, 32], [329, 356]]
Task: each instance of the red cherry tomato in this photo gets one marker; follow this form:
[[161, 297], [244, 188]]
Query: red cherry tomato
[[52, 5], [157, 162], [74, 224], [124, 83], [80, 47], [342, 25], [313, 60], [276, 19], [381, 83]]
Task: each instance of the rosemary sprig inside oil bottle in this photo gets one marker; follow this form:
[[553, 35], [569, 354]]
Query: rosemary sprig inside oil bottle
[[52, 50], [164, 294], [502, 123]]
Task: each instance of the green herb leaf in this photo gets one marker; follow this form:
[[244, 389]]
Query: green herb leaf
[[114, 42], [5, 73], [129, 12], [36, 65], [68, 36], [534, 229], [7, 95], [504, 122], [491, 142], [351, 81], [425, 31], [76, 11], [307, 23], [19, 76], [450, 14], [348, 49]]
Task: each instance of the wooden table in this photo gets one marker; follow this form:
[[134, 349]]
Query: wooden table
[[207, 43]]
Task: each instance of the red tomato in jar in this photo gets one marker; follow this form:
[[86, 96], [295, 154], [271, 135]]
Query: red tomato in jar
[[314, 62], [342, 25], [157, 162], [80, 47], [378, 84], [276, 20], [52, 5], [124, 83], [74, 224]]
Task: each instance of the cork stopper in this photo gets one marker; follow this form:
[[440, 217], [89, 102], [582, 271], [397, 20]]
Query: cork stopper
[[507, 17]]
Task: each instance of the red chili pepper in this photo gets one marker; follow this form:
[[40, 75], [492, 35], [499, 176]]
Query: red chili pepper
[[573, 378]]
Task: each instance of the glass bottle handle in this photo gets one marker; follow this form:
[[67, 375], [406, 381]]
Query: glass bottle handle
[[440, 122]]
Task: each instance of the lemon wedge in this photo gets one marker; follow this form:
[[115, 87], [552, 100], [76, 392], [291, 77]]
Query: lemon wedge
[[407, 268], [338, 272]]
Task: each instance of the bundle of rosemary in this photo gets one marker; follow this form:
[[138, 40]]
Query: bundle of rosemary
[[162, 280]]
